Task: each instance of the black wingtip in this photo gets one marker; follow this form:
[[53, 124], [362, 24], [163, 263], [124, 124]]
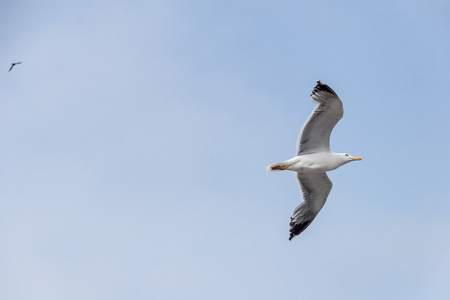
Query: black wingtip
[[322, 87], [297, 228]]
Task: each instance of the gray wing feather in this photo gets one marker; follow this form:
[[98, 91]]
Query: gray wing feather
[[315, 188], [315, 133]]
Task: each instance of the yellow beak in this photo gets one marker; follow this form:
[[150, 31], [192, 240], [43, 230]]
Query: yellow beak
[[356, 158]]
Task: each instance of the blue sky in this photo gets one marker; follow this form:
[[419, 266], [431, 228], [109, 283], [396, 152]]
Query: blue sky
[[135, 137]]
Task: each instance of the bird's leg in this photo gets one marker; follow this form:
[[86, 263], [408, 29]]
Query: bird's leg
[[280, 167]]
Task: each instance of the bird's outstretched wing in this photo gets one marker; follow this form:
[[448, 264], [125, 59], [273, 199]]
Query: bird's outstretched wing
[[315, 133], [315, 188]]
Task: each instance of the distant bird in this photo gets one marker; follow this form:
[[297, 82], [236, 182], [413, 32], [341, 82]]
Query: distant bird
[[314, 157], [13, 64]]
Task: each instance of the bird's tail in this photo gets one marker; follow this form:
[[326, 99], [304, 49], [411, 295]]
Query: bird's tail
[[279, 166]]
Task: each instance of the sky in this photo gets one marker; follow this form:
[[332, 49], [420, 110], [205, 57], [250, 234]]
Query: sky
[[135, 135]]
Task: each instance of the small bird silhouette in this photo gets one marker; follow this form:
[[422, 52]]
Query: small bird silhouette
[[13, 64]]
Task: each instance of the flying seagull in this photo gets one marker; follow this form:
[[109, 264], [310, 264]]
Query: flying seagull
[[13, 64], [314, 157]]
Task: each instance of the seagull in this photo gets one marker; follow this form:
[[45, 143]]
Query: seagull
[[314, 157], [13, 64]]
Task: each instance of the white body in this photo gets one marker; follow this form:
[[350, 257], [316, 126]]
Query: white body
[[310, 163]]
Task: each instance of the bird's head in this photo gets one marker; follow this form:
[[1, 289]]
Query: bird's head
[[348, 158]]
